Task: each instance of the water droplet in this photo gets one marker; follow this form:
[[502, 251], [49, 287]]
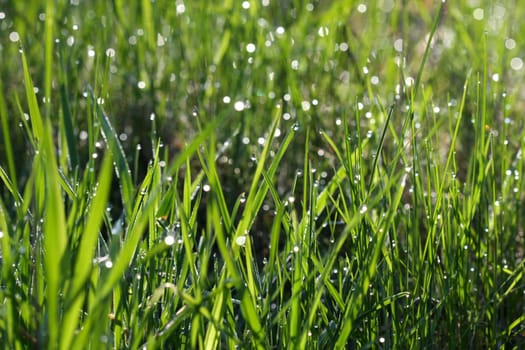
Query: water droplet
[[361, 8], [1, 234], [110, 52], [516, 63], [181, 8], [510, 44], [250, 48], [161, 41], [239, 106], [363, 209], [323, 31], [14, 37], [305, 105], [169, 240], [241, 240], [478, 14]]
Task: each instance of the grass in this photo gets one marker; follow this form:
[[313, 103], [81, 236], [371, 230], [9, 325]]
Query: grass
[[261, 175]]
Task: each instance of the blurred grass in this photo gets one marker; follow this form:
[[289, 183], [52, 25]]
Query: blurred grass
[[325, 174]]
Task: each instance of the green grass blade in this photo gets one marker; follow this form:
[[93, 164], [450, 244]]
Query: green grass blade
[[6, 133], [121, 165], [37, 126], [55, 239], [86, 253]]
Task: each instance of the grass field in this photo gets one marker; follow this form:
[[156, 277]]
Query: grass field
[[262, 174]]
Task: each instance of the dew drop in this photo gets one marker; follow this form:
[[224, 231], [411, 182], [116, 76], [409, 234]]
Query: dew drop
[[14, 37], [239, 106], [323, 31], [361, 8], [250, 48], [478, 14], [169, 240], [516, 63], [241, 240], [110, 52], [510, 44]]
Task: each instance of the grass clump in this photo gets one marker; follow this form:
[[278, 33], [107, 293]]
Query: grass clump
[[261, 175]]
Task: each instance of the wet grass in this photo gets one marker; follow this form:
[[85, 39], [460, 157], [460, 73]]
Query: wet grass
[[261, 175]]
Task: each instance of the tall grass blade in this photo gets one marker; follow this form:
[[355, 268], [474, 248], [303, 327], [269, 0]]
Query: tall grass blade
[[76, 292], [119, 158]]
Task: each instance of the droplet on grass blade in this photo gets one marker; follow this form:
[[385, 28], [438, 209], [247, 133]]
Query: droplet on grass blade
[[250, 48], [169, 240], [239, 106], [241, 240]]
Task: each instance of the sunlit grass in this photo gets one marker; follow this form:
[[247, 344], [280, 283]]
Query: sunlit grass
[[261, 175]]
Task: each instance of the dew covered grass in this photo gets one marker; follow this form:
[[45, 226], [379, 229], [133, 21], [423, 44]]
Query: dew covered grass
[[262, 174]]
